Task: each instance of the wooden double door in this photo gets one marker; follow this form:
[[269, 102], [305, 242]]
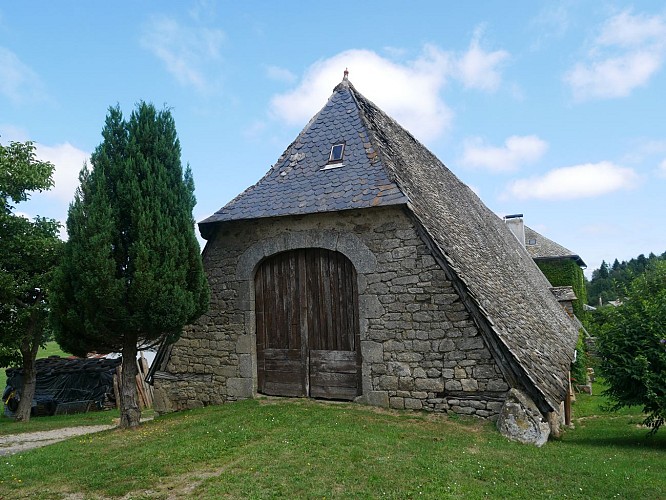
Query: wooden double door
[[306, 304]]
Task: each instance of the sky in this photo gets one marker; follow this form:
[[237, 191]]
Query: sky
[[556, 110]]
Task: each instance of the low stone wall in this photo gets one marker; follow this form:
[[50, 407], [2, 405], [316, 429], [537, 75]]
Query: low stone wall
[[420, 348]]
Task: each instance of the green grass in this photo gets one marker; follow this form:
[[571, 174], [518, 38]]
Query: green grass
[[301, 448], [52, 349]]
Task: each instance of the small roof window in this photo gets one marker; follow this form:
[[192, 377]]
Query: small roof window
[[337, 152], [531, 241]]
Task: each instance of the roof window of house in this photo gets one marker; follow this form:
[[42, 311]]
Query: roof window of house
[[531, 241], [337, 151], [335, 157]]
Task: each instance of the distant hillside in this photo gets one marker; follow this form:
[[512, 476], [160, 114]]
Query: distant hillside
[[609, 281]]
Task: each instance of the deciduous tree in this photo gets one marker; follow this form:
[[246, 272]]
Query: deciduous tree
[[632, 346], [29, 251], [131, 273]]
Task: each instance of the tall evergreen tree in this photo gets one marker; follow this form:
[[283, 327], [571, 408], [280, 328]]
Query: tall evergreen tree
[[610, 283], [603, 270], [131, 273]]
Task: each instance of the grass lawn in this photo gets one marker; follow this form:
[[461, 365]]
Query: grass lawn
[[299, 448]]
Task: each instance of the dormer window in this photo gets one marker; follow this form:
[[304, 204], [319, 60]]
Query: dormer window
[[337, 152]]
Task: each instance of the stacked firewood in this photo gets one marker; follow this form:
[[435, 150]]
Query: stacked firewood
[[143, 389]]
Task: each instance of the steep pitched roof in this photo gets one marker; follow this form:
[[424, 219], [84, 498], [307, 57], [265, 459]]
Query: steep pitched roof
[[505, 291], [302, 181], [540, 247]]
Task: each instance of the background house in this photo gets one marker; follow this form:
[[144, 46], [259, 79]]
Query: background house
[[561, 266]]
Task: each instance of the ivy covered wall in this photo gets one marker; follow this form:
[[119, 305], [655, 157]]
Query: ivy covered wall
[[565, 272]]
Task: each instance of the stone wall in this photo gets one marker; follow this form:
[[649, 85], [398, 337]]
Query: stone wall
[[419, 346]]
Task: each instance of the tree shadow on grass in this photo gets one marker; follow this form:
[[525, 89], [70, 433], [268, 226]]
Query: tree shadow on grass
[[639, 440]]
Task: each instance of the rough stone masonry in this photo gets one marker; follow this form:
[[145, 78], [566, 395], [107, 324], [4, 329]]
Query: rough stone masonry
[[420, 348]]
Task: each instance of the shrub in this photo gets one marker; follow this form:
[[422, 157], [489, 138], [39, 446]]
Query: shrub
[[632, 347], [579, 367]]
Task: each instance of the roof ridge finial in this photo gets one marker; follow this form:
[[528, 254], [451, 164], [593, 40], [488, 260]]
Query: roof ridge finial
[[346, 74]]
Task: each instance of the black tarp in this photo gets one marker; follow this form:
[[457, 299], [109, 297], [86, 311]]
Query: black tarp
[[65, 385]]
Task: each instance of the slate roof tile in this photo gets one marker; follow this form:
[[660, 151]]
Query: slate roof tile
[[297, 185], [540, 247]]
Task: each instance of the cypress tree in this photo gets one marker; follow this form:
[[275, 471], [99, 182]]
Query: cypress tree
[[131, 272]]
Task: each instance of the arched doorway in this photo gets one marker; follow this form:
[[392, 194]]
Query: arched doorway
[[306, 304]]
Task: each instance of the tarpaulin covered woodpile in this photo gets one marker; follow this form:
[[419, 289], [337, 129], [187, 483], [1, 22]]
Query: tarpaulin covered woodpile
[[65, 385]]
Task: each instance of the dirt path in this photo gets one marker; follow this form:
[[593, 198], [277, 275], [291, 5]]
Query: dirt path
[[15, 443]]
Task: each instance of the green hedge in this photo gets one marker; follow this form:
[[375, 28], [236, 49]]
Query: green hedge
[[566, 272], [579, 367]]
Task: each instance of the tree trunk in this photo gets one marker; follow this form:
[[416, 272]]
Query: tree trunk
[[130, 414], [27, 392]]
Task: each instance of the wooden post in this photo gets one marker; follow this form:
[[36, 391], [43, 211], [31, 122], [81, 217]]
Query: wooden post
[[147, 388], [117, 382], [140, 392], [567, 404]]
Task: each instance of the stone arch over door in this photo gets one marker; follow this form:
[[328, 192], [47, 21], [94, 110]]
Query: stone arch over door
[[346, 243], [307, 325]]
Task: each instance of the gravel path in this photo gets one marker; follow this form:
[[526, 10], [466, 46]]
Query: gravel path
[[15, 443]]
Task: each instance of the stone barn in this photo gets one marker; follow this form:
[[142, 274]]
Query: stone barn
[[360, 268]]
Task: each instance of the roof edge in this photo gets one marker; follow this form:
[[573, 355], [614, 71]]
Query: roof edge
[[574, 257]]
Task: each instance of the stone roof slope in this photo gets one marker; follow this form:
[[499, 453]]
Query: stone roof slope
[[543, 248], [500, 275]]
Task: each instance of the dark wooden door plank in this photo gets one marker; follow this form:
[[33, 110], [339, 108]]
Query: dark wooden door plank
[[307, 325]]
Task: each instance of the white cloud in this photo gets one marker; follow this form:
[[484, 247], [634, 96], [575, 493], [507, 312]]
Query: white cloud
[[552, 21], [280, 74], [395, 52], [661, 169], [18, 82], [479, 69], [203, 10], [68, 162], [185, 50], [67, 159], [628, 30], [409, 92], [517, 151], [580, 181], [613, 77], [628, 51]]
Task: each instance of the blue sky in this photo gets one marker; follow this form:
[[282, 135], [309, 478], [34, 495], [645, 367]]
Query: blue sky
[[551, 109]]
